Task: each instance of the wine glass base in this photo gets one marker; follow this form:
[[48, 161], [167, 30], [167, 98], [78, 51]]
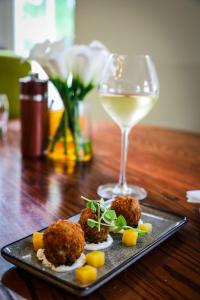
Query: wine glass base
[[111, 190]]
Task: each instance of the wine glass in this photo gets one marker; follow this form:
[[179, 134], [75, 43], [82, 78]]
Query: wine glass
[[128, 91]]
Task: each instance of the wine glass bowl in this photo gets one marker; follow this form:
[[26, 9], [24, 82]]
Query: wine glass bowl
[[128, 91]]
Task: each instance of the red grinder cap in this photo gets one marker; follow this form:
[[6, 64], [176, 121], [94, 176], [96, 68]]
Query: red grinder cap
[[31, 85]]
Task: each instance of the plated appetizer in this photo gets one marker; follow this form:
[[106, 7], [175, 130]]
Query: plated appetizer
[[99, 265], [61, 246]]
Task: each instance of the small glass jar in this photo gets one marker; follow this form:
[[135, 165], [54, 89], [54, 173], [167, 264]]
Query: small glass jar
[[75, 144]]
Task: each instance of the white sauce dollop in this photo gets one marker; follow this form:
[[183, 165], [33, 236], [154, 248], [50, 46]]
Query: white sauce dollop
[[62, 268], [99, 246]]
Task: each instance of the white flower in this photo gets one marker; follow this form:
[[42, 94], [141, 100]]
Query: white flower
[[51, 57], [86, 63]]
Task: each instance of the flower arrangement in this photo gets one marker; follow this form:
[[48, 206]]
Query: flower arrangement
[[74, 71]]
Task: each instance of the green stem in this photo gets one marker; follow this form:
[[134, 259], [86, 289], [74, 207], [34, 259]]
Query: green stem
[[65, 132], [88, 200], [102, 216], [99, 225], [58, 134], [76, 126], [103, 224]]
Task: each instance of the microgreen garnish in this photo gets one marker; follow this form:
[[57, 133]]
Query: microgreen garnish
[[92, 223], [107, 217]]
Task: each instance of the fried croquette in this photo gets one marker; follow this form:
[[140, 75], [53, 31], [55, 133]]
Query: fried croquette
[[129, 208], [63, 242], [92, 235]]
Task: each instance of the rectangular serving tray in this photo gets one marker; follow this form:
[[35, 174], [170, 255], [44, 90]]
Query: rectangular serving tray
[[118, 257]]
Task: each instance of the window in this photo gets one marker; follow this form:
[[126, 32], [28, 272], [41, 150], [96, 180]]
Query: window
[[38, 20]]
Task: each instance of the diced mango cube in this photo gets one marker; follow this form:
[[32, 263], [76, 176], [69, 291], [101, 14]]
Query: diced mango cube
[[129, 237], [95, 259], [86, 274], [146, 227], [37, 240]]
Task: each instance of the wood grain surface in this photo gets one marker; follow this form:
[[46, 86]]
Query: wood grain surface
[[35, 193]]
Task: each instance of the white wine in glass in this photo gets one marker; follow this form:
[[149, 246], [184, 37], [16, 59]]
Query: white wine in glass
[[128, 91]]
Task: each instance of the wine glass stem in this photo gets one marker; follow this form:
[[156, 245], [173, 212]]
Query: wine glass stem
[[124, 150]]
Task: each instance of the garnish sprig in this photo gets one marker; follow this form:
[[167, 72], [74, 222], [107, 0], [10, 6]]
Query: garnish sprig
[[107, 217]]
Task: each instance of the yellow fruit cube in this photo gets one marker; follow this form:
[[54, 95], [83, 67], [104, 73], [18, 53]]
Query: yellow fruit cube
[[129, 237], [37, 240], [146, 227], [95, 259], [86, 274]]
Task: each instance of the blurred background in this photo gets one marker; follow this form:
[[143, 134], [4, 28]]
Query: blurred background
[[168, 30]]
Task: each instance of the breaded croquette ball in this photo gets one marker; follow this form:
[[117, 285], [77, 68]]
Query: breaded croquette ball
[[63, 242], [92, 235], [129, 208]]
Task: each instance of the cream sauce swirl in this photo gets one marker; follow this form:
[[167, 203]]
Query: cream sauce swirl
[[99, 246], [62, 268]]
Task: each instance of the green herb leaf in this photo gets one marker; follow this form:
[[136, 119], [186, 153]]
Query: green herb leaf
[[112, 214], [109, 215], [92, 223], [120, 222], [141, 232], [116, 229], [105, 220], [92, 205], [102, 205]]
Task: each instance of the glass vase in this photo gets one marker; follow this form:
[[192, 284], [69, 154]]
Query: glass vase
[[70, 132]]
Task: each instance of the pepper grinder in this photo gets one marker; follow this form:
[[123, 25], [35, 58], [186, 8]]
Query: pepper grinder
[[34, 116]]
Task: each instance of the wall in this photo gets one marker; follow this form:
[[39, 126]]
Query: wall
[[6, 24], [169, 31]]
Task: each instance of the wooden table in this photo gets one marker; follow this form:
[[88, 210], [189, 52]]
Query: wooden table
[[35, 193]]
